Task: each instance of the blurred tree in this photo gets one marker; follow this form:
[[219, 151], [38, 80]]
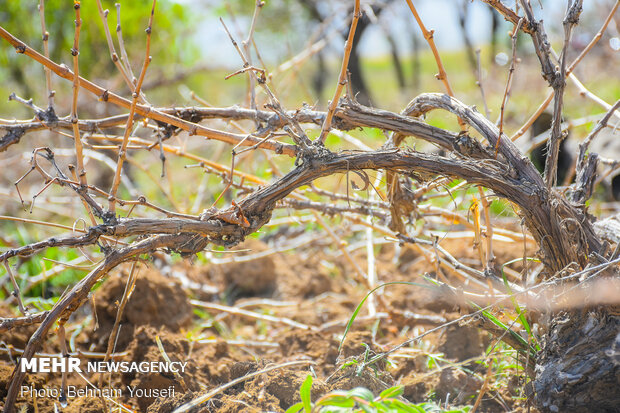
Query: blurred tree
[[21, 17], [317, 13]]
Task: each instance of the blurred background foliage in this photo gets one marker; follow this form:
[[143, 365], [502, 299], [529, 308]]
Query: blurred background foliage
[[173, 23], [390, 64]]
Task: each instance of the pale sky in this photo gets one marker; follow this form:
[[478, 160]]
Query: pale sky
[[440, 15]]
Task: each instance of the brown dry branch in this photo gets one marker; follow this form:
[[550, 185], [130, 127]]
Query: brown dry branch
[[48, 73], [478, 73], [129, 286], [573, 11], [586, 166], [297, 133], [209, 395], [511, 69], [252, 314], [569, 70], [113, 55], [73, 299], [143, 110], [570, 250], [257, 207], [282, 187], [248, 54], [75, 52], [121, 44], [122, 153], [9, 323], [490, 257], [342, 78], [16, 291], [428, 35], [509, 14]]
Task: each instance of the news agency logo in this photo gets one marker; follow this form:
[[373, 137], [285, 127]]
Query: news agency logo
[[74, 365], [50, 365]]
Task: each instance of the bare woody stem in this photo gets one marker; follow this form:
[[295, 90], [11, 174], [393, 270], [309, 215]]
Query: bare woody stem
[[247, 43], [441, 75], [16, 291], [511, 70], [48, 73], [122, 154], [514, 179], [75, 298], [569, 70], [558, 83], [144, 110], [121, 44], [342, 78], [81, 172], [104, 19]]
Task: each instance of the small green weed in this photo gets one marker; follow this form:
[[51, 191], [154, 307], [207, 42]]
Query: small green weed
[[362, 400]]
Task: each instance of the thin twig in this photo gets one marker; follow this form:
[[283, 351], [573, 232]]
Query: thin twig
[[428, 35], [297, 133], [569, 70], [121, 44], [46, 51], [487, 112], [247, 43], [143, 110], [509, 14], [16, 291], [252, 314], [77, 296], [104, 19], [122, 154], [558, 82], [484, 386], [583, 146], [490, 257], [165, 356], [511, 70], [81, 172], [129, 286], [9, 323], [475, 212], [342, 78], [60, 332]]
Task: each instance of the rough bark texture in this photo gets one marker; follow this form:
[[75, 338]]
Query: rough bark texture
[[579, 365]]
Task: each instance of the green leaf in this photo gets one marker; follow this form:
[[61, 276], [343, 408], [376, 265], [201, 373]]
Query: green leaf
[[348, 363], [507, 329], [520, 312], [304, 392], [368, 409], [402, 407], [297, 407], [335, 409], [337, 400], [391, 392], [362, 393]]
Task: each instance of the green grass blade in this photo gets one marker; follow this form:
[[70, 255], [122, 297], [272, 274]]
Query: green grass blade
[[361, 304], [304, 392]]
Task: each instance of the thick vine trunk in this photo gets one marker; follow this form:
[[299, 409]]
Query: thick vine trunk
[[579, 366], [577, 369]]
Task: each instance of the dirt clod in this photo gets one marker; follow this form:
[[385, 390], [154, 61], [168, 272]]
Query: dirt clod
[[457, 385], [460, 343], [156, 301]]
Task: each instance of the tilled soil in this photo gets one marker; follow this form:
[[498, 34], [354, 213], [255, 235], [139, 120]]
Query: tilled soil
[[304, 301]]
